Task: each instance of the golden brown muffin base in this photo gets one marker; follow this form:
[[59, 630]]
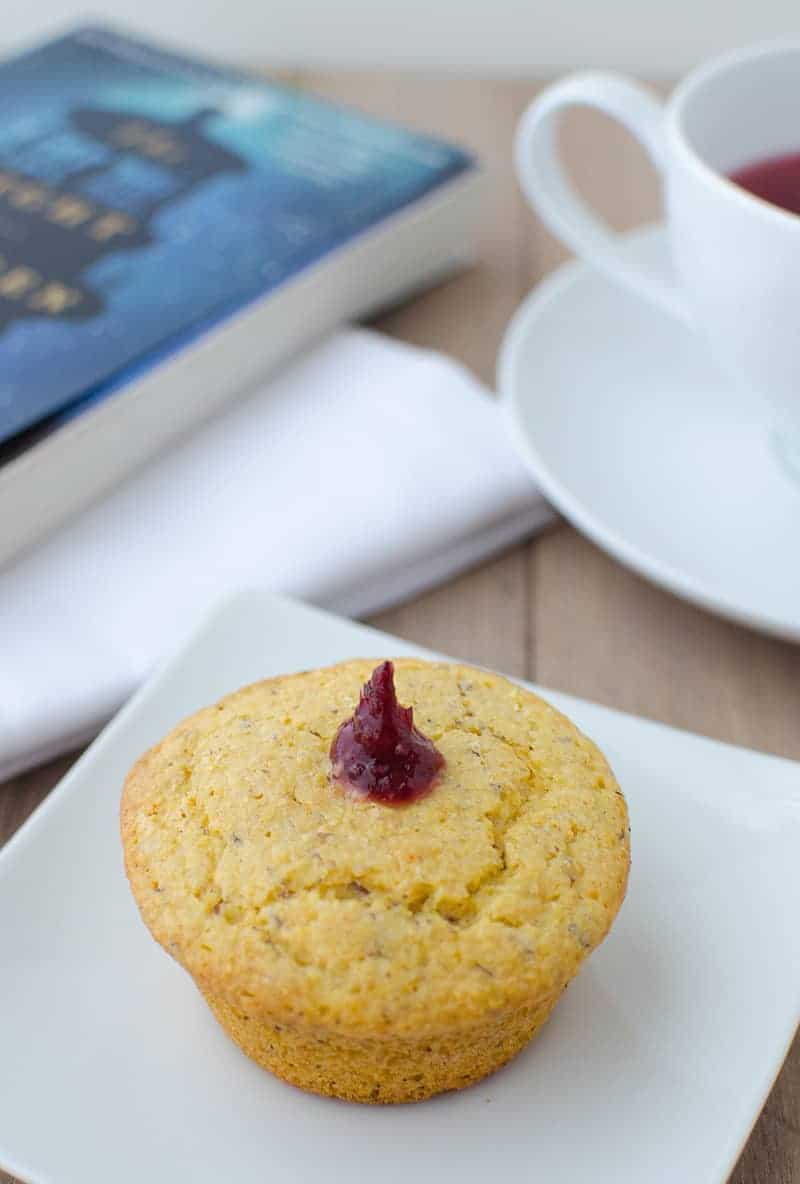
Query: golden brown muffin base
[[381, 1071]]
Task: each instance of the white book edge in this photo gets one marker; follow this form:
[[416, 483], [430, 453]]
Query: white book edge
[[64, 472]]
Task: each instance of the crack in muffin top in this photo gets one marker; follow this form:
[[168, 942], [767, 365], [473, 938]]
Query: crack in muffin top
[[289, 899]]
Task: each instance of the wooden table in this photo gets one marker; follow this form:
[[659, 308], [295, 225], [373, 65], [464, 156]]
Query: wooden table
[[557, 610]]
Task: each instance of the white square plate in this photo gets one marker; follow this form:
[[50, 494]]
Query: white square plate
[[652, 1068]]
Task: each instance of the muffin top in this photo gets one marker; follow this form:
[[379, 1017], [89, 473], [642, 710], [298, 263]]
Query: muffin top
[[294, 900]]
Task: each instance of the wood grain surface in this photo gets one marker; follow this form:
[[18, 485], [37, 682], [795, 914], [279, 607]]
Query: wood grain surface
[[557, 610]]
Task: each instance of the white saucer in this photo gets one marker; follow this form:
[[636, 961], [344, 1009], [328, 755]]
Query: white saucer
[[638, 440]]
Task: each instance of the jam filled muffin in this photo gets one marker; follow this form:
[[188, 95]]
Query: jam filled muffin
[[378, 905]]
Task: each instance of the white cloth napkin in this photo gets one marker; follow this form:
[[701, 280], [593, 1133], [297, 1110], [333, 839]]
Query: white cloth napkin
[[362, 474]]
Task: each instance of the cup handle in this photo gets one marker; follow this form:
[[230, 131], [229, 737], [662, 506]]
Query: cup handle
[[549, 191]]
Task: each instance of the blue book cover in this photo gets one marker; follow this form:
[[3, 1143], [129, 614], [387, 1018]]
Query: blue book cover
[[145, 196]]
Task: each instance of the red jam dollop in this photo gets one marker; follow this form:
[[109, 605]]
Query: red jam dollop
[[378, 753]]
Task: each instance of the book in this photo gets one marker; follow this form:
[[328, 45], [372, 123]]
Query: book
[[171, 230]]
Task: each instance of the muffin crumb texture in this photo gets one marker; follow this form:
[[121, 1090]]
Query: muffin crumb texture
[[372, 952]]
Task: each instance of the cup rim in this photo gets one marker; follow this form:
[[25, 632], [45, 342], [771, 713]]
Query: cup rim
[[681, 145]]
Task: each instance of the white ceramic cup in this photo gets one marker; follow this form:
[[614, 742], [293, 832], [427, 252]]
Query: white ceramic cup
[[736, 258]]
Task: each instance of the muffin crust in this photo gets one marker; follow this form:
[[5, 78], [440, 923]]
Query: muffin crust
[[372, 952]]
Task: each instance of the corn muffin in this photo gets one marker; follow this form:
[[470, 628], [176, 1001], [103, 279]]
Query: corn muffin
[[378, 944]]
